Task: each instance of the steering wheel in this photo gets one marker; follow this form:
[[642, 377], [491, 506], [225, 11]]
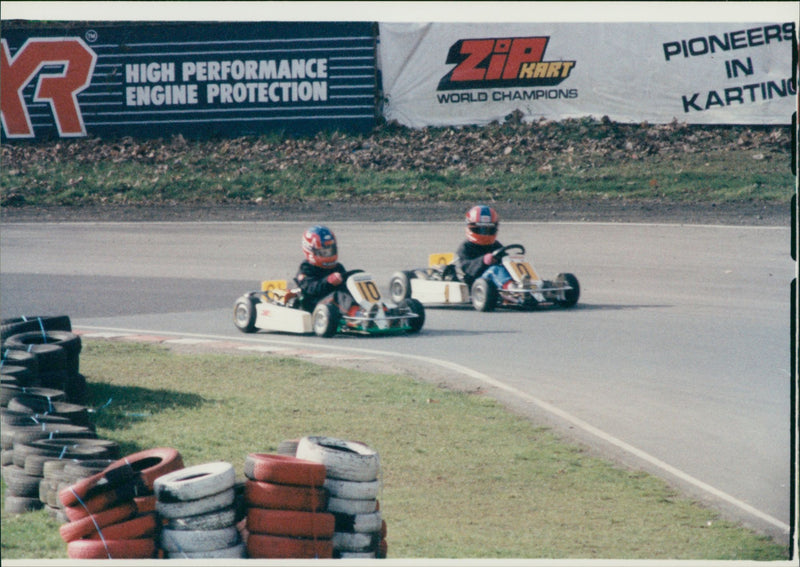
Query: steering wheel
[[349, 273], [500, 252]]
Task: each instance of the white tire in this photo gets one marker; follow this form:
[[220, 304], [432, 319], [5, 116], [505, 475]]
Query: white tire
[[353, 490], [344, 460], [196, 507], [345, 541], [189, 541], [212, 521], [361, 523], [238, 551], [353, 507], [194, 483]]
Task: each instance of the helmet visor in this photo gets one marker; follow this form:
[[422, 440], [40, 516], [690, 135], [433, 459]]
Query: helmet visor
[[485, 229], [328, 251]]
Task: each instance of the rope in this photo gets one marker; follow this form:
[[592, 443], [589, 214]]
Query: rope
[[96, 527]]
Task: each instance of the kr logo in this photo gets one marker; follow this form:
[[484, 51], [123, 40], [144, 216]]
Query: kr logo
[[59, 88], [508, 62]]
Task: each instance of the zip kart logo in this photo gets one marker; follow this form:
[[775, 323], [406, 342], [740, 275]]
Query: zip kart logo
[[501, 63], [64, 67]]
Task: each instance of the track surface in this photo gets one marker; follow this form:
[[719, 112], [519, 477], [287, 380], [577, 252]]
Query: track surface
[[677, 358]]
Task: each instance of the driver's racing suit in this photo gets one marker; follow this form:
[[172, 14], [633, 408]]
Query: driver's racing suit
[[314, 286], [470, 265]]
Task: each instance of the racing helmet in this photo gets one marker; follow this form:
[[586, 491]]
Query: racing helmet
[[482, 223], [319, 247]]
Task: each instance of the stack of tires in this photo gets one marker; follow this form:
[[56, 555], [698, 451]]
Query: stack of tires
[[55, 348], [38, 426], [61, 473], [352, 471], [112, 513], [285, 503], [198, 513]]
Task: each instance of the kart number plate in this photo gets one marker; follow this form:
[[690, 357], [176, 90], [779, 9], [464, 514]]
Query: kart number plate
[[521, 269], [363, 289]]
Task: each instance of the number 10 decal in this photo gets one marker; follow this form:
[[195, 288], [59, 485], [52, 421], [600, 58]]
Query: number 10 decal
[[369, 291], [524, 269]]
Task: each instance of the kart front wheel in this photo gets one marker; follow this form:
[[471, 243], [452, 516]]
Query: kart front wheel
[[244, 314], [400, 286], [325, 320], [415, 307], [568, 298], [484, 295]]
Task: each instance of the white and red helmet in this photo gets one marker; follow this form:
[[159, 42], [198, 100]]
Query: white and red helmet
[[482, 223], [319, 247]]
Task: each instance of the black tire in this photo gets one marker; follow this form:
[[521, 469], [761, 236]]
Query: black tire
[[484, 295], [70, 342], [244, 314], [400, 286], [417, 309], [19, 357], [18, 325], [569, 297], [24, 375], [325, 320]]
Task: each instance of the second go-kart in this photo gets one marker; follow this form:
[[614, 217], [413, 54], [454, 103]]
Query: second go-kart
[[441, 284], [276, 308]]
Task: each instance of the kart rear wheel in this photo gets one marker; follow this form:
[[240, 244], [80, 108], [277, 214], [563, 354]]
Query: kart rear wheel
[[417, 309], [325, 320], [484, 295], [244, 314], [400, 286], [569, 297]]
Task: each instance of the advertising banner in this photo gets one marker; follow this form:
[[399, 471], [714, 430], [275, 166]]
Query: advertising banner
[[448, 74], [157, 79]]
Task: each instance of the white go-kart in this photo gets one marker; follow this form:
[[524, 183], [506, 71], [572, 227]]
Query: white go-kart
[[440, 284], [277, 308]]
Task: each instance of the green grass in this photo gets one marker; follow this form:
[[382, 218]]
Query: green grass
[[462, 477], [577, 160]]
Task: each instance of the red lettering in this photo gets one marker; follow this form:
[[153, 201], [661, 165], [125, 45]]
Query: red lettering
[[59, 89], [477, 50], [524, 50]]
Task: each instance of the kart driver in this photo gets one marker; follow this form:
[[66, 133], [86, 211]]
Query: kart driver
[[320, 276], [474, 258]]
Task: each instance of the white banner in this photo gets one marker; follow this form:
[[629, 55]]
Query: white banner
[[450, 74]]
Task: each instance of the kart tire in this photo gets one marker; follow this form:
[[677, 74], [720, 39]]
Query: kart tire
[[569, 297], [415, 306], [400, 286], [244, 314], [325, 320], [484, 295], [344, 460]]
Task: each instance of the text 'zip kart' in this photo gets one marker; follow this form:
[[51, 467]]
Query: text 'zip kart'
[[440, 284], [278, 309]]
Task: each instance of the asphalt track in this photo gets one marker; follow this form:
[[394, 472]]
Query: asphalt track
[[676, 360]]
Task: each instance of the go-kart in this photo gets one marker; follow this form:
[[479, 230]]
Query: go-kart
[[440, 284], [276, 308]]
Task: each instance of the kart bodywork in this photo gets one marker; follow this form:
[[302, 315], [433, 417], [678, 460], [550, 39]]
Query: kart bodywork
[[277, 308], [440, 284]]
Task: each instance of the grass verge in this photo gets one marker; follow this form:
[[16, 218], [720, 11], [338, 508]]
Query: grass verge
[[462, 477]]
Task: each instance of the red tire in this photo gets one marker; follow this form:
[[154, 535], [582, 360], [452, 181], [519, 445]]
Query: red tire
[[275, 547], [91, 524], [290, 523], [129, 475], [138, 527], [283, 469], [284, 496], [145, 504], [112, 549], [94, 505]]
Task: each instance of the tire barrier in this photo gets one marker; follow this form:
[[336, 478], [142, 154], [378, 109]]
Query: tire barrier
[[286, 501], [196, 505], [353, 485], [111, 513], [59, 474], [41, 323]]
